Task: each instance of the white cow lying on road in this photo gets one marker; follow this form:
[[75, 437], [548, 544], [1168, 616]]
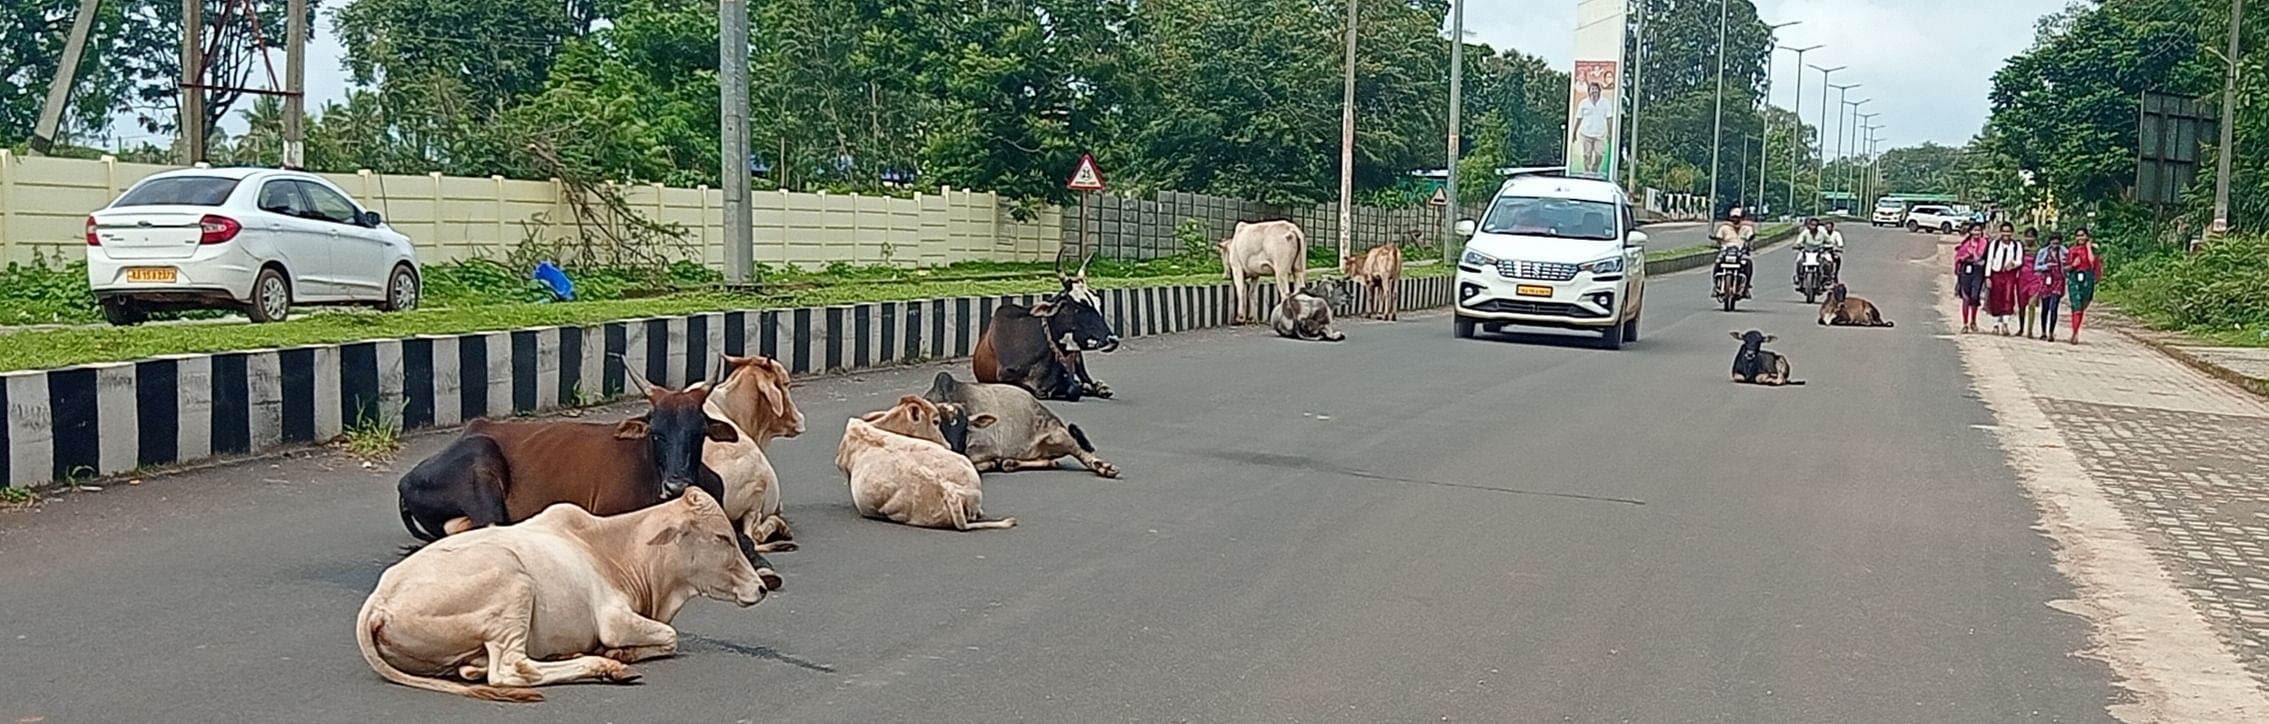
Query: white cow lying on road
[[902, 478], [606, 588], [1259, 249]]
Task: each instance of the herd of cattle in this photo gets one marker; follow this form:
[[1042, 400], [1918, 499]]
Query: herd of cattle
[[607, 529]]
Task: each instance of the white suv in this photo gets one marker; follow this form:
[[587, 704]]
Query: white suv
[[1553, 252], [1937, 217], [255, 239], [1888, 213]]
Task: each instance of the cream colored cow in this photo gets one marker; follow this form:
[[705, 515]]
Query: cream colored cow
[[1259, 249], [754, 399], [902, 478], [606, 588]]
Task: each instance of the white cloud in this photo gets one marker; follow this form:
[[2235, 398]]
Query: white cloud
[[1928, 64]]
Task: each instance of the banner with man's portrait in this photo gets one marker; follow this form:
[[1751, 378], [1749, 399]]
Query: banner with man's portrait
[[1595, 97]]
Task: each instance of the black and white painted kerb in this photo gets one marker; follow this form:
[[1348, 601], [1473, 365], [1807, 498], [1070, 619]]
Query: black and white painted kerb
[[101, 420]]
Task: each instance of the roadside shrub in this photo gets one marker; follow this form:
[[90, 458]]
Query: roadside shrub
[[38, 293], [2223, 286]]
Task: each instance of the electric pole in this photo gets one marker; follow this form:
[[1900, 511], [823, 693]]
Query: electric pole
[[192, 82], [59, 89], [1717, 132], [1764, 112], [1631, 125], [1347, 147], [1457, 111], [2221, 223], [732, 102], [295, 80], [1796, 135]]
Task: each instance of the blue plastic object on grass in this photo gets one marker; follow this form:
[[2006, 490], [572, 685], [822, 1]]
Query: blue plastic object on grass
[[555, 281]]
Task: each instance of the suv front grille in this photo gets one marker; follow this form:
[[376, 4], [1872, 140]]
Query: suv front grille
[[1515, 306], [1535, 270]]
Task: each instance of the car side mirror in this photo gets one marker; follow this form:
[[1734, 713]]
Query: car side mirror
[[1635, 239], [1464, 227], [369, 219]]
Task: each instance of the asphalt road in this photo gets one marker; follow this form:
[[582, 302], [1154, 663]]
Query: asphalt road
[[1402, 527]]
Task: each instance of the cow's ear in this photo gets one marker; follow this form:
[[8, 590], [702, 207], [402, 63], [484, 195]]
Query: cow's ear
[[722, 431], [632, 429], [667, 536], [1771, 337], [1735, 335], [982, 421], [1044, 309]]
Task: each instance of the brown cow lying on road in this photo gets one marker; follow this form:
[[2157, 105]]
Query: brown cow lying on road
[[902, 478], [1841, 309], [1380, 271], [753, 398], [503, 472], [1260, 249], [606, 589], [1003, 427]]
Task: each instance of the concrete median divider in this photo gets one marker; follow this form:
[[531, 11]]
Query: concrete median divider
[[1684, 262], [105, 420]]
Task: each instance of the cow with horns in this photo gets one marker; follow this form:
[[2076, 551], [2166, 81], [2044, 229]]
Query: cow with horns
[[1041, 348]]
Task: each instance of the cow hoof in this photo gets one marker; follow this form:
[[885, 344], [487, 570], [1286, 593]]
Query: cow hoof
[[621, 674], [1103, 391], [1106, 470], [783, 546]]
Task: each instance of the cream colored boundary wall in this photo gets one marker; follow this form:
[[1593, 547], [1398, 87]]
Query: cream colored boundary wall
[[44, 204]]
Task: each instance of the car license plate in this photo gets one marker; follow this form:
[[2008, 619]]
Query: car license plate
[[1531, 290], [164, 274]]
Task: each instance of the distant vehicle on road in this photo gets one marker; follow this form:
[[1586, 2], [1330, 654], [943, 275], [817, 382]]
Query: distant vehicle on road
[[1888, 212], [1941, 218], [1553, 252], [259, 240]]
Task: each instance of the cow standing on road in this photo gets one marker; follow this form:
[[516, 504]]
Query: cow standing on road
[[1380, 272], [1266, 248], [497, 473], [1007, 429]]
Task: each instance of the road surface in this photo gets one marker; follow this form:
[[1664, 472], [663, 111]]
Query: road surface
[[1399, 528]]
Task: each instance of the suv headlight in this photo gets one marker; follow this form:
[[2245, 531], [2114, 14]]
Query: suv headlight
[[1477, 259], [1610, 265]]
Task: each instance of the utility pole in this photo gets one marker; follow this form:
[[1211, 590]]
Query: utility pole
[[2221, 223], [295, 83], [59, 89], [1796, 135], [1717, 132], [1765, 136], [1820, 170], [1859, 147], [1631, 125], [192, 82], [732, 116], [1457, 111], [1347, 146]]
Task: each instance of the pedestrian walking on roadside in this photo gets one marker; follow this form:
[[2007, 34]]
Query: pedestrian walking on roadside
[[2003, 258], [1969, 275], [2048, 270], [2082, 269], [2028, 285]]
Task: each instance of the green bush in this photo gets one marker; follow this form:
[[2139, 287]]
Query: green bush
[[37, 293], [2223, 286]]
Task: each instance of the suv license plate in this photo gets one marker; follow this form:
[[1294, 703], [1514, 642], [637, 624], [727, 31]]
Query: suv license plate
[[163, 274], [1531, 290]]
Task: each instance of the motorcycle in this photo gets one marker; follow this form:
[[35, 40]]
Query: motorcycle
[[1728, 282], [1811, 273]]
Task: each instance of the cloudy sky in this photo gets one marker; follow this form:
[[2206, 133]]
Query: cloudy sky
[[1926, 63]]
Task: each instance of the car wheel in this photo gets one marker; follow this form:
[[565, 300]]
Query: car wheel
[[1946, 228], [123, 313], [401, 290], [271, 297], [1913, 226], [1611, 338], [1631, 330], [1463, 328]]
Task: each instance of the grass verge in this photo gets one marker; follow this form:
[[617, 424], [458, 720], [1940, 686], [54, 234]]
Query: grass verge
[[41, 349]]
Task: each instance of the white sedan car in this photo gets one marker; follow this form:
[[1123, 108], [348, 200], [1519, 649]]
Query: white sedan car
[[259, 240]]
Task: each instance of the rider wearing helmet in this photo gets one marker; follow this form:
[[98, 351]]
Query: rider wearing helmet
[[1735, 232]]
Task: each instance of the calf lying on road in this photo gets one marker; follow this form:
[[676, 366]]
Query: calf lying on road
[[1003, 427], [606, 589], [1756, 365], [1841, 309], [901, 470], [1305, 316]]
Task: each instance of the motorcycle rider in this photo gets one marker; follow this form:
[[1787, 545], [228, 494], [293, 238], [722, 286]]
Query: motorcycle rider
[[1735, 232], [1808, 237], [1833, 241]]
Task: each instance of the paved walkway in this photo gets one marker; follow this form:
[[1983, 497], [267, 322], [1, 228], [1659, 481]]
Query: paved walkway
[[2180, 456]]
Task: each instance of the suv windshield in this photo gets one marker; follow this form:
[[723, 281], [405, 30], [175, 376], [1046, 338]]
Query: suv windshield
[[179, 191], [1564, 218]]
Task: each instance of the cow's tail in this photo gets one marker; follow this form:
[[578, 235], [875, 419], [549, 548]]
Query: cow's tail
[[1079, 437], [369, 627]]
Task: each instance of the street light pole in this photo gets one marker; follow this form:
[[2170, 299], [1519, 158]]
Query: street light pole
[[1631, 125], [2221, 223], [1457, 110], [1796, 111], [732, 121], [1820, 163], [1347, 146], [1717, 134], [1851, 176], [1765, 134], [1843, 96]]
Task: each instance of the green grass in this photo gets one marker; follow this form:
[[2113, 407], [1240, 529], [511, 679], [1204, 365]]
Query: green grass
[[18, 498], [1766, 232], [38, 349], [2219, 295]]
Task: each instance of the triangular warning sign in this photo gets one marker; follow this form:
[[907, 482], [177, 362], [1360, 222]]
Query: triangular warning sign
[[1088, 177], [1440, 199]]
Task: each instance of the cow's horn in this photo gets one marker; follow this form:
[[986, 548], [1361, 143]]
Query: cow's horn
[[644, 387], [1083, 263]]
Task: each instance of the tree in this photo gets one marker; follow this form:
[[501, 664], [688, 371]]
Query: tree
[[1926, 169], [124, 37]]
